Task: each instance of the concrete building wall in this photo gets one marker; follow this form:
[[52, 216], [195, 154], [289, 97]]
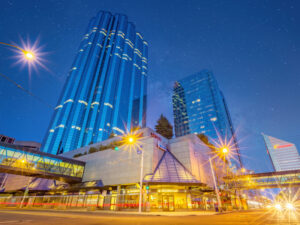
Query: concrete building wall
[[122, 166], [193, 154], [118, 167]]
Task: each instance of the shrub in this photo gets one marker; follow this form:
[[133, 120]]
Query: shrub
[[92, 150]]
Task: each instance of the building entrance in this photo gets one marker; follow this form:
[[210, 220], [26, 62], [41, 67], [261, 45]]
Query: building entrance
[[168, 203]]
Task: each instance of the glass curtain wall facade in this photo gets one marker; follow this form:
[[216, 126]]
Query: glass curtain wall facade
[[106, 88], [284, 155], [199, 107]]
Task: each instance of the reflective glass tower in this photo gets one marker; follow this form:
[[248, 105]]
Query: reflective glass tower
[[199, 107], [284, 155], [106, 88]]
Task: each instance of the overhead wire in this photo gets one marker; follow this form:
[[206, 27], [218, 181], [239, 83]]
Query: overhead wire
[[26, 91]]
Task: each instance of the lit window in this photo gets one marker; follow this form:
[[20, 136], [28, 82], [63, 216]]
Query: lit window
[[137, 66], [83, 102], [118, 129], [102, 32], [108, 104], [59, 106], [213, 119], [117, 54], [95, 103], [69, 100], [138, 34]]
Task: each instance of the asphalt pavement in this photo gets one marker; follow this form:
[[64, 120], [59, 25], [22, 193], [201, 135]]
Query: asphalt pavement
[[44, 217]]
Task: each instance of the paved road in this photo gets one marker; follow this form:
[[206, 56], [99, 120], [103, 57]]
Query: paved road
[[23, 217]]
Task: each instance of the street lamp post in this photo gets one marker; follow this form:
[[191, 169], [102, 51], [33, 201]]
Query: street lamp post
[[25, 192], [131, 140], [224, 151], [215, 184], [28, 55], [3, 181], [141, 181]]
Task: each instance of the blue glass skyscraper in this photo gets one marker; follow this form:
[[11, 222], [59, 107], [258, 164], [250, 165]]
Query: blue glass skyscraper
[[199, 107], [106, 88]]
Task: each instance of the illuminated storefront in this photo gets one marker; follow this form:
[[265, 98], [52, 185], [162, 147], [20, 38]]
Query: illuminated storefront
[[176, 177]]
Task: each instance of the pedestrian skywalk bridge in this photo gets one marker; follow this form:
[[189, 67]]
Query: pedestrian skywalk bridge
[[290, 178], [27, 162]]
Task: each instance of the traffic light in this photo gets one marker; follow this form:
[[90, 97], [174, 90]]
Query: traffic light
[[147, 187], [116, 148]]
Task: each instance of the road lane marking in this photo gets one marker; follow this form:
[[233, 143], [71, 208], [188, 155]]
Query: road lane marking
[[11, 221]]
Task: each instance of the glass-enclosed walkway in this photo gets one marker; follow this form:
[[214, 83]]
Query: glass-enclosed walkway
[[26, 162]]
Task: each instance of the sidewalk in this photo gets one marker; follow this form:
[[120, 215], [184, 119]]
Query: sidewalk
[[191, 213], [109, 212]]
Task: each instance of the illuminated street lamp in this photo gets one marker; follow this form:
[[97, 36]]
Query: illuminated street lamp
[[224, 152], [27, 54]]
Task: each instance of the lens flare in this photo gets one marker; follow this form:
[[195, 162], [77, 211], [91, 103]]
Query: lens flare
[[289, 206], [30, 55], [225, 150], [278, 206]]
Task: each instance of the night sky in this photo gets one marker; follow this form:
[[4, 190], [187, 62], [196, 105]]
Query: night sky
[[252, 47]]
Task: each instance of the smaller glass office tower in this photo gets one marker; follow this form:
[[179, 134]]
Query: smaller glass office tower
[[199, 107], [284, 155]]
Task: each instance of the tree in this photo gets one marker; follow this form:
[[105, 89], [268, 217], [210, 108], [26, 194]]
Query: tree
[[205, 140], [92, 150], [163, 127], [112, 134]]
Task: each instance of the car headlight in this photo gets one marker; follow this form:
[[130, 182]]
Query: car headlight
[[289, 206], [278, 206]]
